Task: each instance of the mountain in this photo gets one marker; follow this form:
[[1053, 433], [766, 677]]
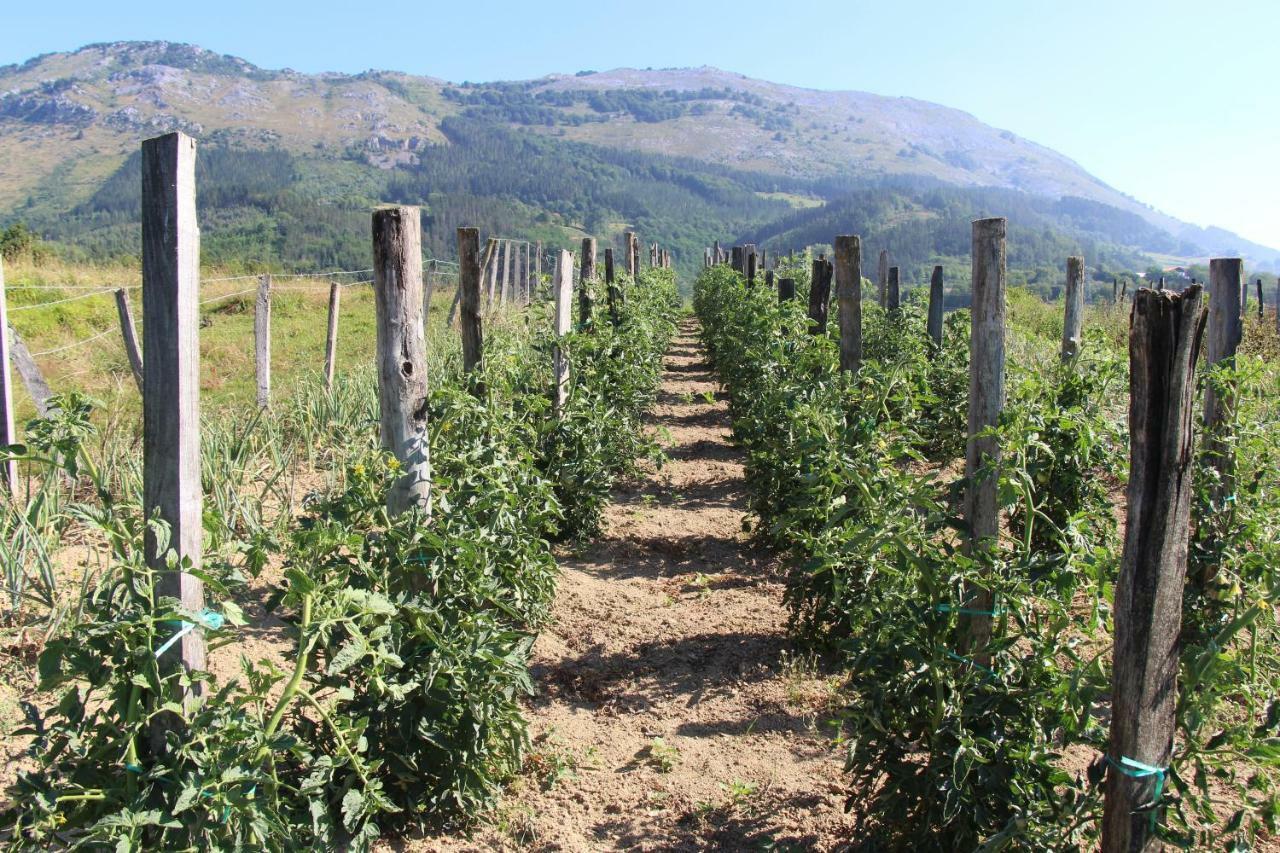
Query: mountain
[[290, 162]]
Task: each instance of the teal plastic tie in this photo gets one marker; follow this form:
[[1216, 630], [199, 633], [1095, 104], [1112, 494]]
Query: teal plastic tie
[[972, 663], [210, 619], [969, 611], [1137, 770], [133, 768]]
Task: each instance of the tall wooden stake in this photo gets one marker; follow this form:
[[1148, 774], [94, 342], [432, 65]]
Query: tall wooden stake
[[893, 296], [262, 340], [331, 338], [819, 295], [937, 305], [848, 275], [1164, 341], [129, 332], [612, 289], [29, 372], [563, 288], [1073, 312], [986, 400], [8, 433], [587, 275], [469, 288], [883, 280], [629, 238], [171, 488], [403, 394], [1225, 330]]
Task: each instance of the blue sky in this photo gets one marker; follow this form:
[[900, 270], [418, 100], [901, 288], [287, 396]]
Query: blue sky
[[1175, 103]]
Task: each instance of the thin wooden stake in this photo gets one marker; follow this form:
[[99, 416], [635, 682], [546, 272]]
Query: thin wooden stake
[[884, 278], [403, 393], [629, 238], [819, 295], [1164, 341], [171, 489], [32, 379], [469, 288], [587, 275], [129, 332], [937, 305], [331, 338], [563, 319], [262, 340], [8, 432], [1073, 312], [986, 401], [614, 295], [893, 295], [848, 274], [508, 274], [1225, 330]]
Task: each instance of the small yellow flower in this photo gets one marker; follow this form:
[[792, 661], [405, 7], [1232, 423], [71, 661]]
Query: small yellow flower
[[358, 470]]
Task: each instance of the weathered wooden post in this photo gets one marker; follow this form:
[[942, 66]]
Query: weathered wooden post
[[768, 279], [509, 272], [893, 295], [563, 288], [1115, 290], [764, 259], [1261, 307], [736, 260], [8, 433], [586, 275], [937, 305], [751, 268], [171, 406], [1164, 341], [526, 277], [819, 295], [883, 280], [1073, 312], [786, 289], [848, 274], [537, 270], [262, 340], [629, 240], [986, 400], [1244, 296], [716, 252], [1124, 290], [402, 354], [611, 286], [331, 337], [29, 371], [491, 270], [469, 287], [1160, 286], [129, 332], [1225, 330]]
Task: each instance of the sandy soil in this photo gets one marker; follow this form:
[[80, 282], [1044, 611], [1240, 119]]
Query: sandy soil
[[668, 714]]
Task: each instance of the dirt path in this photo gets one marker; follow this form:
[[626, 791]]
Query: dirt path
[[669, 715]]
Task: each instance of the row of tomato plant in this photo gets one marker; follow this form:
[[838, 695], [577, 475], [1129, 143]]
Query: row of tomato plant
[[396, 704], [857, 478]]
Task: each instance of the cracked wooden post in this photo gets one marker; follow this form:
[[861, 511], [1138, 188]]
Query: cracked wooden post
[[786, 289], [892, 294], [587, 275], [848, 273], [8, 432], [32, 379], [883, 280], [469, 289], [614, 296], [937, 306], [1073, 312], [491, 271], [331, 337], [1225, 330], [1164, 340], [171, 489], [262, 341], [129, 332], [563, 319], [986, 400], [403, 392], [819, 294]]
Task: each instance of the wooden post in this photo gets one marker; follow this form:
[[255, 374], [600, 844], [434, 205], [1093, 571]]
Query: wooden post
[[171, 487], [893, 296], [884, 278], [491, 271], [8, 433], [526, 277], [429, 288], [751, 268], [130, 334], [1164, 340], [469, 287], [1160, 286], [1261, 307], [768, 279], [587, 275], [1124, 290], [819, 295], [563, 288], [1115, 290], [537, 270], [629, 239], [331, 338], [937, 305], [986, 400], [715, 257], [764, 258], [30, 373], [1244, 296], [1225, 330], [262, 340], [403, 393], [736, 260], [1073, 312], [612, 289], [786, 289], [509, 273], [848, 273], [635, 256]]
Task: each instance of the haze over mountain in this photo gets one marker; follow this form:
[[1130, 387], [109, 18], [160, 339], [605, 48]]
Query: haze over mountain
[[712, 154]]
